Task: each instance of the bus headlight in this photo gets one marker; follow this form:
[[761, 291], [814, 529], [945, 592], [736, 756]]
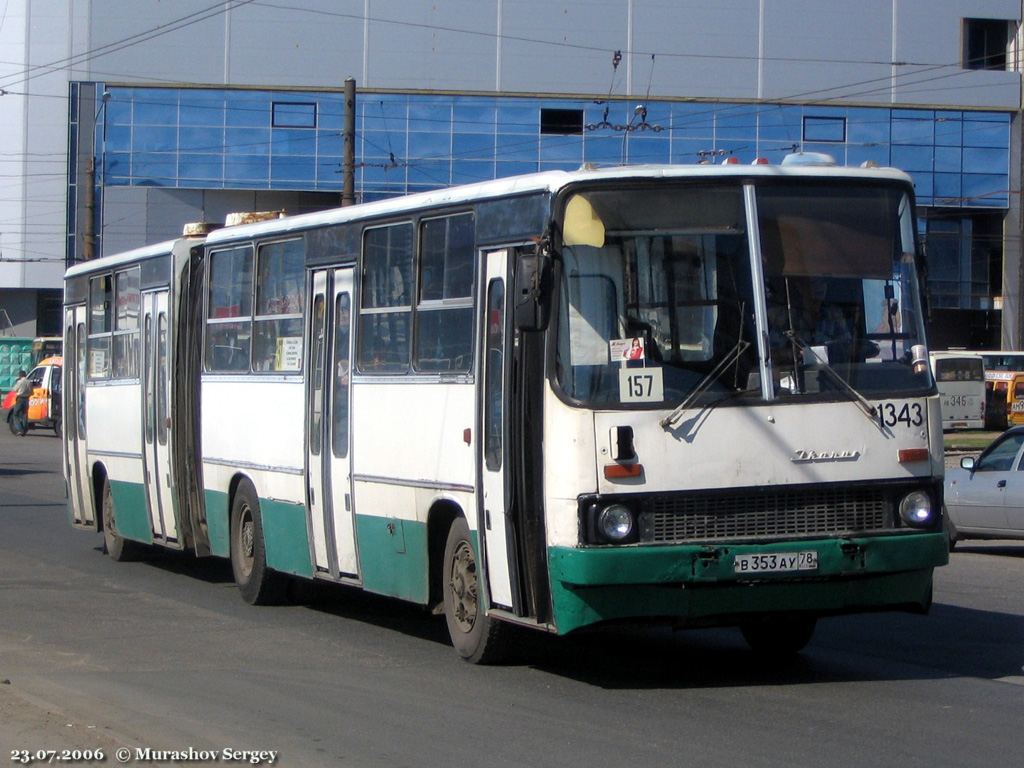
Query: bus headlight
[[615, 522], [916, 509]]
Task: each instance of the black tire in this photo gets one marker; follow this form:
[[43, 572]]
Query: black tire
[[256, 582], [10, 422], [779, 637], [121, 550], [476, 637]]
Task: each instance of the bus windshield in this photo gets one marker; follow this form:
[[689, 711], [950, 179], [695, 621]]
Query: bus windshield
[[662, 280]]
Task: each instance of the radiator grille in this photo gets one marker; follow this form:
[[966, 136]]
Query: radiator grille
[[767, 514]]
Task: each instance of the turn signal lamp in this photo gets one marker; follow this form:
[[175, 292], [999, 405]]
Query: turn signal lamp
[[910, 455], [623, 471]]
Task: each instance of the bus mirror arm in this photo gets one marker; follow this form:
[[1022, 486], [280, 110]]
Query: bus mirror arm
[[532, 291]]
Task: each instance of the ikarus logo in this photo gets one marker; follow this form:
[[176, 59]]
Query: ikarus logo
[[805, 456]]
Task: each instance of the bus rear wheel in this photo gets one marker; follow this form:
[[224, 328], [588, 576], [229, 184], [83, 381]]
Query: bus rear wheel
[[778, 637], [114, 544], [257, 583], [477, 638]]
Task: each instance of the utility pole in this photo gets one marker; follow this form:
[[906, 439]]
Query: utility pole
[[348, 170], [88, 225]]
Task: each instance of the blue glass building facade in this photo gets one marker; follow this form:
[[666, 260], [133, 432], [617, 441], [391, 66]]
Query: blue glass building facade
[[281, 140], [256, 139]]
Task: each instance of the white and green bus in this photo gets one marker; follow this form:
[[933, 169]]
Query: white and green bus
[[693, 394]]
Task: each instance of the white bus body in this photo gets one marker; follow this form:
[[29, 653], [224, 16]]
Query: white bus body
[[548, 401]]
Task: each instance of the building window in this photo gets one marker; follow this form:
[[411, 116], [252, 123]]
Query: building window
[[985, 42], [293, 114], [562, 122], [824, 129]]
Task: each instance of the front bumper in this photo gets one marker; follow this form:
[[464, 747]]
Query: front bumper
[[696, 584]]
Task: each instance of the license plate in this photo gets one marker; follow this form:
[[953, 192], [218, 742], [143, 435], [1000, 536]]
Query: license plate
[[776, 562]]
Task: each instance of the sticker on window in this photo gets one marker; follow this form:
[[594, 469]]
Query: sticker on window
[[626, 349], [641, 385]]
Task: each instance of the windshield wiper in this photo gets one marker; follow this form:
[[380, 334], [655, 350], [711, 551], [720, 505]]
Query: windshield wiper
[[734, 354], [867, 407]]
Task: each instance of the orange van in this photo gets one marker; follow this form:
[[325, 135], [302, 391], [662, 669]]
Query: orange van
[[44, 404]]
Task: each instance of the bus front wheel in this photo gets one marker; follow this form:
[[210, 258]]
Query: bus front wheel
[[114, 544], [778, 637], [258, 584], [477, 638]]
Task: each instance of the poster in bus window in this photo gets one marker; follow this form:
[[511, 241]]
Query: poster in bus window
[[97, 363], [630, 349], [288, 356]]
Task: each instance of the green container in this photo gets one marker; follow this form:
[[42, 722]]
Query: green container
[[15, 355]]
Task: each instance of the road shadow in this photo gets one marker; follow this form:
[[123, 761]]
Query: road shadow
[[212, 570], [354, 604], [8, 471], [339, 600], [978, 548], [950, 642]]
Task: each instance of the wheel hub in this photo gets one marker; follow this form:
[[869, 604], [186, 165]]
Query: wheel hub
[[463, 587], [246, 538]]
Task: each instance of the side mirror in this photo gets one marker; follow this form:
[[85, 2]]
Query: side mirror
[[967, 462], [532, 291]]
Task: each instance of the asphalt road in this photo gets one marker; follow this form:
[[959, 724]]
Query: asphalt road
[[164, 654]]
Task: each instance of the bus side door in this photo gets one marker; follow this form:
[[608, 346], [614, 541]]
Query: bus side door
[[75, 446], [329, 493], [156, 416]]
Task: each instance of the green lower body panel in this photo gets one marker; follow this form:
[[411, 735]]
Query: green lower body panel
[[285, 533], [131, 513], [393, 557], [698, 584], [217, 524], [286, 537]]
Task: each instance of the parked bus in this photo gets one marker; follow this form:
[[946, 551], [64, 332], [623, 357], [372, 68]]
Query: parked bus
[[1000, 368], [960, 378], [542, 402]]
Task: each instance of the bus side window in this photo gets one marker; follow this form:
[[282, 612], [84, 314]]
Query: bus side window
[[229, 310], [385, 310], [444, 313], [277, 326], [339, 412]]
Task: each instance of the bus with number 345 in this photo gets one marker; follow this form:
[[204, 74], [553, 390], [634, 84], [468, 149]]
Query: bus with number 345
[[538, 403]]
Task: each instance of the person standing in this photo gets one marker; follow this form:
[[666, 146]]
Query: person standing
[[22, 392]]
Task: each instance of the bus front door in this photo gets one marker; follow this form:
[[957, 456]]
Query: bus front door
[[75, 446], [497, 529], [329, 493], [156, 416]]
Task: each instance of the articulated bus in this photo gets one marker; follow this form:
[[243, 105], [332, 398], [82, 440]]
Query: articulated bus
[[960, 379], [543, 402]]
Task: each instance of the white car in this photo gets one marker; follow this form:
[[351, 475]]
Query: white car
[[984, 499]]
